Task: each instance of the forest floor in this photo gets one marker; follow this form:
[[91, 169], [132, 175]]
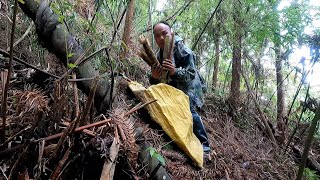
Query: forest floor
[[239, 150]]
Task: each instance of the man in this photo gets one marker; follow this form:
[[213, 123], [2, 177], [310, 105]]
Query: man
[[183, 75]]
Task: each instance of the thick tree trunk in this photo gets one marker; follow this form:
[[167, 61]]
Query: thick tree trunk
[[58, 41], [128, 27], [236, 56], [280, 96]]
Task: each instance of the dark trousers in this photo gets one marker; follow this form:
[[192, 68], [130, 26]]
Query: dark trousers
[[199, 130]]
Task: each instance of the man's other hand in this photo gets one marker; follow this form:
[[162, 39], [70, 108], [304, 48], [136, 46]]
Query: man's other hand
[[156, 71], [169, 66]]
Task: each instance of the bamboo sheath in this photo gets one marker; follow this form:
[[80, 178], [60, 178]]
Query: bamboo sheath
[[147, 54], [167, 54]]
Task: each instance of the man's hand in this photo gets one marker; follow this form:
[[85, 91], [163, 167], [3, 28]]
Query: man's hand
[[156, 71], [169, 66]]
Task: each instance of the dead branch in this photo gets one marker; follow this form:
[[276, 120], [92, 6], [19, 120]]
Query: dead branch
[[18, 161], [100, 123], [40, 164], [23, 36], [88, 104], [266, 125], [139, 106], [88, 132], [110, 164], [6, 54], [15, 135], [61, 141], [59, 166], [145, 57], [76, 98]]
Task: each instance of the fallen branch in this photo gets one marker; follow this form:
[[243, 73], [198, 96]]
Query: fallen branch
[[57, 169], [110, 164], [15, 135], [18, 161], [136, 108], [23, 36], [100, 123]]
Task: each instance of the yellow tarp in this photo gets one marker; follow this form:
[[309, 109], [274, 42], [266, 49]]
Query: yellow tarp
[[172, 112]]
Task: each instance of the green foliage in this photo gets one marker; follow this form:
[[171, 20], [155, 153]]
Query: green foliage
[[71, 65], [310, 174], [153, 153]]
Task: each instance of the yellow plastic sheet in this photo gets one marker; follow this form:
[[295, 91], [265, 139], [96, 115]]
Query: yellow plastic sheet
[[172, 112]]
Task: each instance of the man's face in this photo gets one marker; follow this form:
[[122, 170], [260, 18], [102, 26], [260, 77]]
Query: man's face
[[160, 32]]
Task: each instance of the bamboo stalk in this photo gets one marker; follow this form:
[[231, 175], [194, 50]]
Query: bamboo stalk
[[164, 74], [167, 54], [308, 143], [5, 91]]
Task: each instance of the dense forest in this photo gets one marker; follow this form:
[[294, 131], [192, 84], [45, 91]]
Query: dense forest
[[67, 112]]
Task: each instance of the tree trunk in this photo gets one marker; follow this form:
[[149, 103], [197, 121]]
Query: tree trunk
[[236, 57], [280, 96], [128, 28], [58, 41]]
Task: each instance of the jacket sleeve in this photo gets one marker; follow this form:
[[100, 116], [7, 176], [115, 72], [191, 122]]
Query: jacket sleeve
[[153, 80], [186, 70]]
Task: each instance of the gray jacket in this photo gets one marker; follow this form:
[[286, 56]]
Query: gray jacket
[[186, 77]]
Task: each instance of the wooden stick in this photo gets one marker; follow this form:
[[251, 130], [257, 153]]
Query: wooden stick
[[23, 36], [17, 134], [59, 166], [63, 138], [76, 98], [138, 107], [88, 132], [110, 163], [100, 123]]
